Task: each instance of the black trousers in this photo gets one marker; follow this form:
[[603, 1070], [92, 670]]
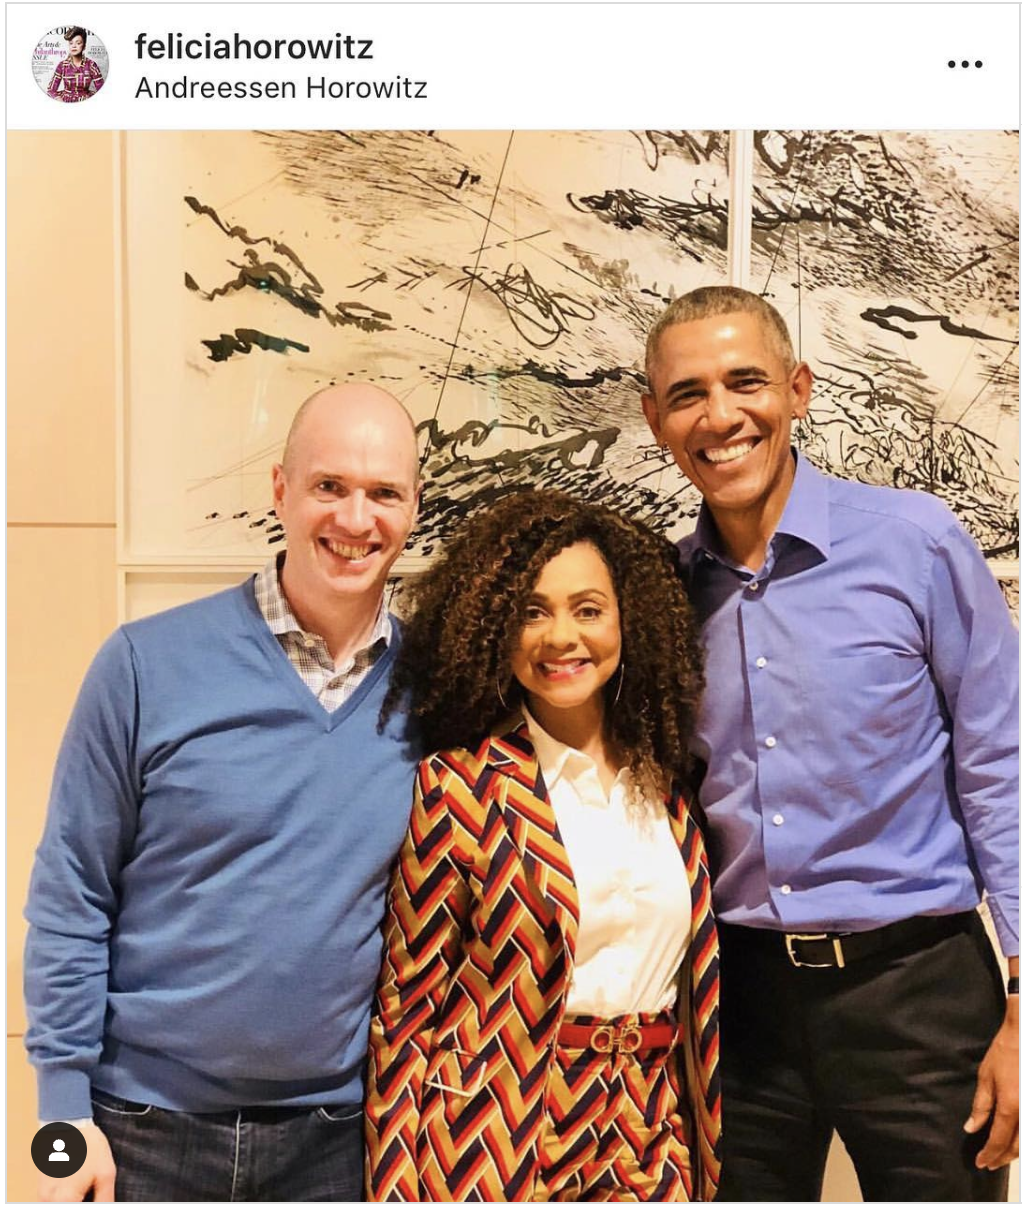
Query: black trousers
[[884, 1051]]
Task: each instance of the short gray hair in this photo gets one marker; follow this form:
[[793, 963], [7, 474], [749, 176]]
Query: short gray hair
[[713, 301]]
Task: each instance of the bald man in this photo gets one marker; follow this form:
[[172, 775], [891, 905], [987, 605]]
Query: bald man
[[206, 901]]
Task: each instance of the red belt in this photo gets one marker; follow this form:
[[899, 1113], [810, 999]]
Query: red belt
[[626, 1037]]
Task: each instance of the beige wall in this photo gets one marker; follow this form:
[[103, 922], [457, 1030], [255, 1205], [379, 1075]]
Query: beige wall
[[61, 556], [62, 569]]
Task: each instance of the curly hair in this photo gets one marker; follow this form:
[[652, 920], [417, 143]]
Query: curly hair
[[76, 31], [469, 610]]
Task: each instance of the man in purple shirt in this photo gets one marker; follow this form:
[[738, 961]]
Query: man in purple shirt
[[860, 737]]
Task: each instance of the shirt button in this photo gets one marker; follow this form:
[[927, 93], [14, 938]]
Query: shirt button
[[308, 642], [761, 662], [770, 742], [778, 819], [753, 586], [785, 889]]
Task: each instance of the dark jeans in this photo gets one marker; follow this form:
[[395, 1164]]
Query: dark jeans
[[884, 1051], [261, 1154]]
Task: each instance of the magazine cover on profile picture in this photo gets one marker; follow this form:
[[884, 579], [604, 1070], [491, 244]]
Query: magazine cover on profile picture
[[70, 64]]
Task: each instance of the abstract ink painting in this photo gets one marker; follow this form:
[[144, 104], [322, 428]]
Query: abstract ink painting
[[894, 259], [501, 284]]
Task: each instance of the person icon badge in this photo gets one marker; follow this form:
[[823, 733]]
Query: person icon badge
[[59, 1149]]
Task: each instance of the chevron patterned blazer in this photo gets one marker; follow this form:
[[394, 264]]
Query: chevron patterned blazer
[[479, 942]]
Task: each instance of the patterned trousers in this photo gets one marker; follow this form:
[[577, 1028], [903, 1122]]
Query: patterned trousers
[[614, 1130]]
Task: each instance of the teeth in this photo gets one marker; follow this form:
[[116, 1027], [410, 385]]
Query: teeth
[[718, 456], [352, 552], [555, 667]]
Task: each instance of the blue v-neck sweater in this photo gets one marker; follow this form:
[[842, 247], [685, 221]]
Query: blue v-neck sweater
[[206, 901]]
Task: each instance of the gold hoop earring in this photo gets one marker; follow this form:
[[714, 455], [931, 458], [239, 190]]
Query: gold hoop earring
[[500, 696], [620, 683]]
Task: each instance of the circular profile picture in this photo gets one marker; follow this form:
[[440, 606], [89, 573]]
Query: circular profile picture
[[70, 64]]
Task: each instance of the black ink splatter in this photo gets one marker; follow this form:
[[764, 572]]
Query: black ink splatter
[[538, 314], [881, 318], [244, 340]]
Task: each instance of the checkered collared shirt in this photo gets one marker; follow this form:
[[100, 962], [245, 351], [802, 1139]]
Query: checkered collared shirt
[[308, 653]]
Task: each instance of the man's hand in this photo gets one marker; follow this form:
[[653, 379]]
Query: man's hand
[[997, 1094], [97, 1174]]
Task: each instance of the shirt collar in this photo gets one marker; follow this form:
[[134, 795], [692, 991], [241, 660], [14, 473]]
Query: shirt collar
[[705, 538], [282, 620], [806, 515], [552, 755]]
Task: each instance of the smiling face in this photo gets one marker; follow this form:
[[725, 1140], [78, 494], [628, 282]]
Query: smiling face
[[570, 643], [723, 399], [347, 497]]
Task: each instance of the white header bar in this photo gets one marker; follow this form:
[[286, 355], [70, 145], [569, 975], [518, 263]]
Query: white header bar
[[528, 66]]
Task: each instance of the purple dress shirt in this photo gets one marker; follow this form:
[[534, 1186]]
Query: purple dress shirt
[[860, 723]]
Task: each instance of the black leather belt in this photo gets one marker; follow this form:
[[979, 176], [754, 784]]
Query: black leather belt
[[270, 1114], [838, 949]]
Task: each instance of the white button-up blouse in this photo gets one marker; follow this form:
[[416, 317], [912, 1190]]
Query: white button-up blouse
[[635, 908]]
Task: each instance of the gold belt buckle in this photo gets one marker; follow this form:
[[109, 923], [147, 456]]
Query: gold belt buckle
[[839, 955], [626, 1039]]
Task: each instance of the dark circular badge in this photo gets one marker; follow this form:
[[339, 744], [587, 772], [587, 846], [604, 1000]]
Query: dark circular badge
[[58, 1149]]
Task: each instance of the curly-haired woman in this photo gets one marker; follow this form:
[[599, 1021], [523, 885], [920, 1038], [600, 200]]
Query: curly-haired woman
[[546, 1018], [77, 77]]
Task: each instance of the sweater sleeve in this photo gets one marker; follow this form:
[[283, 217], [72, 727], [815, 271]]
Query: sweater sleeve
[[427, 907], [72, 901]]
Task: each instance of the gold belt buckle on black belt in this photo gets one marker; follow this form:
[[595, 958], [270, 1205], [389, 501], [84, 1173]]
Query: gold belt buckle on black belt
[[839, 955]]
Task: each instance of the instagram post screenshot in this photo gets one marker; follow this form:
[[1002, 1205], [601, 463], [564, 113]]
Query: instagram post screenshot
[[513, 602]]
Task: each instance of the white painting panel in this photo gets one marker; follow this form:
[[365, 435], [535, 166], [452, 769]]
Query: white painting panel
[[499, 283], [894, 258]]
